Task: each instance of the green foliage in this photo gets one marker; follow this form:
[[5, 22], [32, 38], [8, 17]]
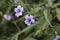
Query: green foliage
[[47, 20], [58, 13]]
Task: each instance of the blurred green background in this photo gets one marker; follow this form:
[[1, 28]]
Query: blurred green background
[[47, 20]]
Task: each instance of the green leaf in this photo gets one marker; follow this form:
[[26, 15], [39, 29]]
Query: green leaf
[[58, 13], [48, 16], [57, 29], [14, 37], [48, 37], [55, 5], [50, 3], [29, 38], [41, 27]]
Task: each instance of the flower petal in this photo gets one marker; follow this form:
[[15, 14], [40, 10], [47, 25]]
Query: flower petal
[[15, 10], [26, 17], [22, 10], [57, 37], [31, 16], [28, 23], [7, 16], [19, 6], [18, 14], [32, 20]]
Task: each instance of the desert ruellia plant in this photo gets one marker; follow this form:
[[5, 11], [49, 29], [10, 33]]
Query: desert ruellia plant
[[29, 19]]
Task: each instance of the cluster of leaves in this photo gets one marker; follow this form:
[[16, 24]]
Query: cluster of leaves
[[47, 20]]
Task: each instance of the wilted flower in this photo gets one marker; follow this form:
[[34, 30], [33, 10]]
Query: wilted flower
[[29, 19], [18, 11], [57, 37], [7, 16]]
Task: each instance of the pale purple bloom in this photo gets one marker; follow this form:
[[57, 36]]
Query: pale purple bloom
[[7, 16], [46, 5], [29, 19], [18, 11], [17, 0], [57, 37]]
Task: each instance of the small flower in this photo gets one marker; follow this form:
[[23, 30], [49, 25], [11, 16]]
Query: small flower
[[29, 19], [57, 37], [16, 0], [7, 16], [18, 11], [46, 5]]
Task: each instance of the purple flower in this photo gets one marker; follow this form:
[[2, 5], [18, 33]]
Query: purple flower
[[57, 37], [29, 19], [17, 0], [18, 11], [7, 16]]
